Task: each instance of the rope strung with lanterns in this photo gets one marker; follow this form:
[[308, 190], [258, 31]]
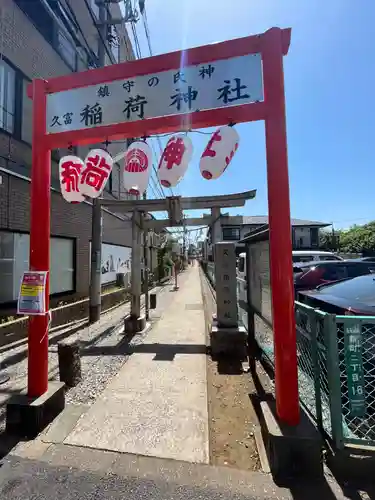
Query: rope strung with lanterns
[[88, 178]]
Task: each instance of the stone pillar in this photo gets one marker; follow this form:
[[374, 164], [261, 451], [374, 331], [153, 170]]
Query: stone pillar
[[227, 338], [226, 285]]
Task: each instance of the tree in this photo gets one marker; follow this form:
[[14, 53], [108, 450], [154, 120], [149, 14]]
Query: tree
[[165, 262], [359, 239], [330, 240]]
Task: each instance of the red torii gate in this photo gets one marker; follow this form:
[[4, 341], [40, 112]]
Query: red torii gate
[[271, 46]]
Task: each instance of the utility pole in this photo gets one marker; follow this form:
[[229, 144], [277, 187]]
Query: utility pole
[[333, 240], [97, 218], [150, 252], [216, 231], [145, 262], [134, 322]]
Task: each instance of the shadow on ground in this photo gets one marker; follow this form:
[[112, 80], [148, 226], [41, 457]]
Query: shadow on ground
[[163, 352]]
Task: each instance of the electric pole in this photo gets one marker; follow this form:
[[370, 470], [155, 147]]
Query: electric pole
[[145, 262], [97, 218]]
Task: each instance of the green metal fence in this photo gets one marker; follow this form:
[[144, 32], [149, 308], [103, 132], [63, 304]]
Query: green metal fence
[[242, 304], [356, 354], [336, 373], [211, 272]]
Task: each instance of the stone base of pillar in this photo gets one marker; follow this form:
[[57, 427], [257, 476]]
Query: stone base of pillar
[[27, 417], [231, 342], [134, 325]]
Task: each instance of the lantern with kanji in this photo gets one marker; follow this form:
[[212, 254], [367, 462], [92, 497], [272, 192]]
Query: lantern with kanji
[[175, 160], [95, 173], [219, 152], [70, 169], [137, 168]]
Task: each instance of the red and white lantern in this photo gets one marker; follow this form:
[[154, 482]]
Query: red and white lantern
[[70, 169], [219, 152], [95, 174], [137, 168], [175, 160]]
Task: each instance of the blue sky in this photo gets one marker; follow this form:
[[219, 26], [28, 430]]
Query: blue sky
[[330, 86]]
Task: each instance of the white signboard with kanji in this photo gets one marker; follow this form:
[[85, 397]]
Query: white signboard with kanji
[[216, 84]]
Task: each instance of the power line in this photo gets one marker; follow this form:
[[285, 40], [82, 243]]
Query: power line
[[139, 54], [148, 37], [160, 187], [147, 31]]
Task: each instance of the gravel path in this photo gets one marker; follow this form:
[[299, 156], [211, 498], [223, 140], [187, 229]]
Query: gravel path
[[102, 355]]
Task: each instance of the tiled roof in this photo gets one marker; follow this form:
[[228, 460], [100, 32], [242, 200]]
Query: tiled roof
[[263, 219]]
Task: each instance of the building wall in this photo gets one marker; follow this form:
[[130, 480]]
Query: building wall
[[73, 221], [27, 51], [301, 237]]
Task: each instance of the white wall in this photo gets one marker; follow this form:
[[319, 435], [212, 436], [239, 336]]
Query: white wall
[[115, 259]]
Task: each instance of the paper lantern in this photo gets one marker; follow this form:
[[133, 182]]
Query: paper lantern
[[70, 169], [95, 174], [175, 160], [137, 168], [219, 152]]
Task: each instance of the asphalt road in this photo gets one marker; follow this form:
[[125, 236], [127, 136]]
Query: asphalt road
[[143, 479], [31, 479]]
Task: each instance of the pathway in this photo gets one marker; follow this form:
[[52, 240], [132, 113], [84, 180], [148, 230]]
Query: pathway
[[157, 404]]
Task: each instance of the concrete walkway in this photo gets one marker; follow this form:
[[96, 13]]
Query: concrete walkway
[[157, 404]]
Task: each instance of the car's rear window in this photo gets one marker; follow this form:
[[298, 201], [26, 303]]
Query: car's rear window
[[241, 264], [361, 289], [302, 258], [328, 257]]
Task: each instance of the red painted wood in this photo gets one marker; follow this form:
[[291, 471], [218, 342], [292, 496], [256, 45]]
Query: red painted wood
[[40, 206], [281, 270]]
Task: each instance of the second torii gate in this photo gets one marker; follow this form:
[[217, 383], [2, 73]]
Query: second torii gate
[[174, 206]]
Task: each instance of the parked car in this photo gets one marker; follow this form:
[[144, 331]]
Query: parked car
[[306, 256], [310, 275], [349, 297], [312, 255], [368, 259]]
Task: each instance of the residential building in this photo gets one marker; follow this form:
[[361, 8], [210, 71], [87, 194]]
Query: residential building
[[43, 39], [305, 233]]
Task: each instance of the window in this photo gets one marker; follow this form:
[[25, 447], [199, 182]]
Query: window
[[67, 50], [355, 270], [62, 265], [231, 233], [328, 257], [334, 273], [94, 8], [27, 114], [241, 264], [314, 236], [7, 97], [39, 16], [302, 258], [115, 49], [14, 260]]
